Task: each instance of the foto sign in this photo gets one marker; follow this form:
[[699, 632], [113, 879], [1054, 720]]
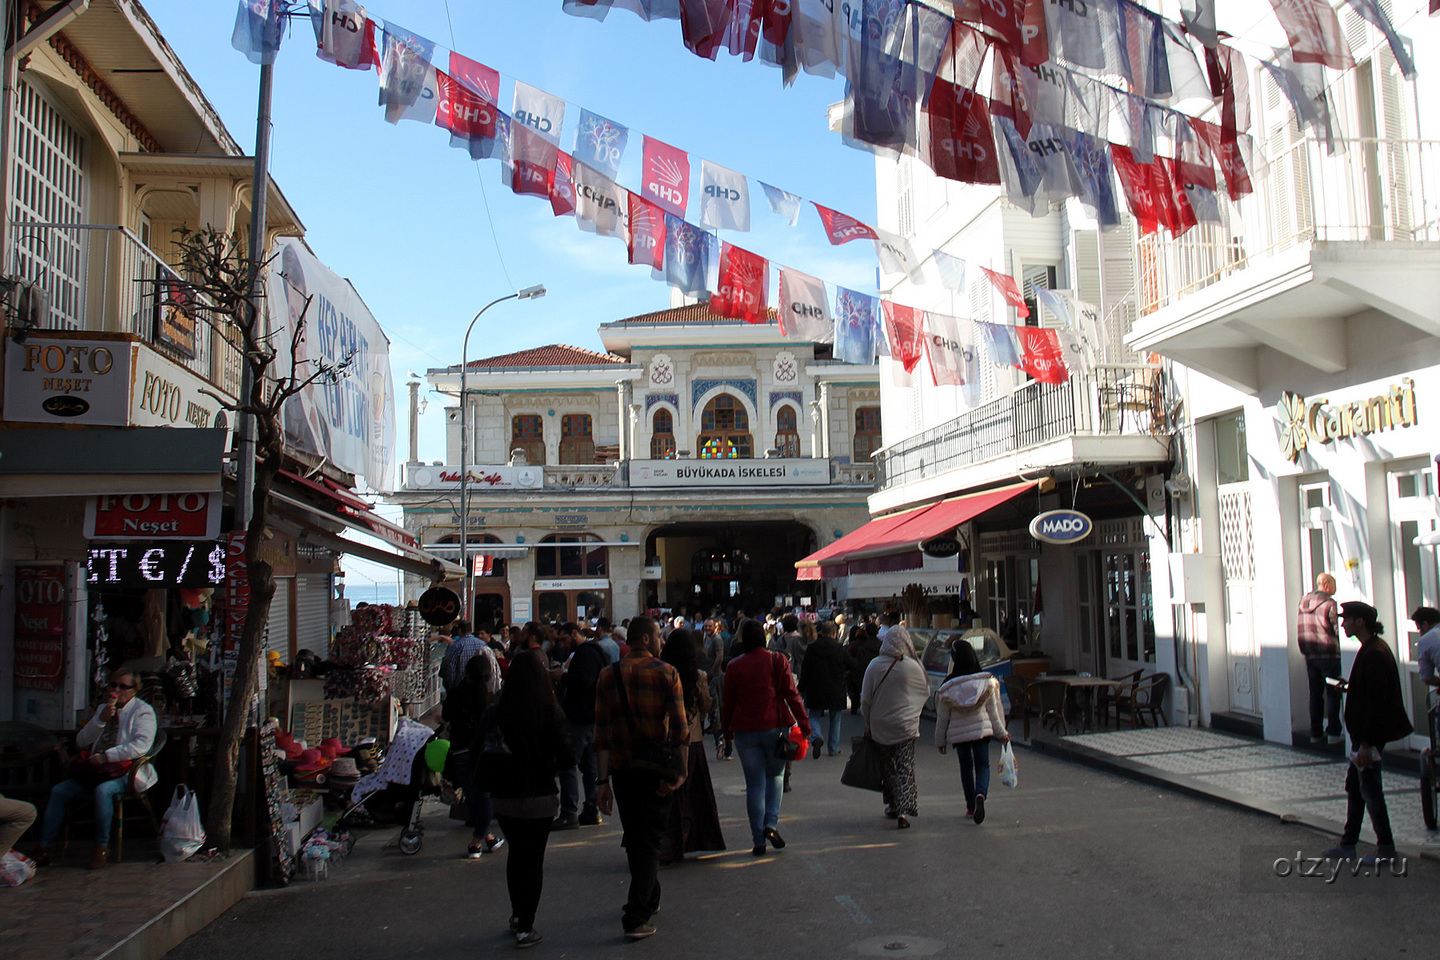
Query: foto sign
[[51, 379], [1061, 526], [153, 516]]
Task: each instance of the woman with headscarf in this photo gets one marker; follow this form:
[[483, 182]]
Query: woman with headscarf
[[694, 821], [463, 709], [892, 695], [968, 715]]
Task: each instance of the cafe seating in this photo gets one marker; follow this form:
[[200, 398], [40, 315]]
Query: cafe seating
[[1117, 698], [1147, 696], [1021, 708], [1050, 698]]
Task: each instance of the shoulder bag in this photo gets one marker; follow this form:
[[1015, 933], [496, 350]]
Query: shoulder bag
[[791, 745], [662, 759], [864, 768]]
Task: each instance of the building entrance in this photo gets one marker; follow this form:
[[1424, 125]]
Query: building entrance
[[733, 566]]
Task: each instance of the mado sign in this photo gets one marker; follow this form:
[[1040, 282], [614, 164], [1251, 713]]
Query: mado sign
[[1061, 526]]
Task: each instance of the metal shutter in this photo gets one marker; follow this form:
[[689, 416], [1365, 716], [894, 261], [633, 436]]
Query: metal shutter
[[277, 628], [312, 613]]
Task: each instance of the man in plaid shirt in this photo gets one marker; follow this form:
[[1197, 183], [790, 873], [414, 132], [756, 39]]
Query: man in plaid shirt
[[657, 705]]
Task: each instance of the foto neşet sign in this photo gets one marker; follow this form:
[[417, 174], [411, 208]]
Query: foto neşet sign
[[153, 516]]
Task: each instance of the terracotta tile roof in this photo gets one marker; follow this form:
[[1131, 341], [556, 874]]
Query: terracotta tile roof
[[692, 313], [552, 355]]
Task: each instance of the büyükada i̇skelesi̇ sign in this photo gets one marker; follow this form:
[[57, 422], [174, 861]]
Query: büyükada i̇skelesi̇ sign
[[1317, 420]]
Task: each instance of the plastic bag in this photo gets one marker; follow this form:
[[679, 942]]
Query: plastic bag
[[181, 833], [1008, 769], [15, 868]]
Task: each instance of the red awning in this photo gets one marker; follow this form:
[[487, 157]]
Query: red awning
[[893, 543]]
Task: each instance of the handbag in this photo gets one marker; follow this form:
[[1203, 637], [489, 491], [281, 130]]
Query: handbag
[[662, 759], [864, 767], [83, 771], [791, 744]]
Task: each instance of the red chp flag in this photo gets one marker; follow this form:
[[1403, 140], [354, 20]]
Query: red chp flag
[[905, 333], [742, 285], [1006, 285], [665, 178], [467, 98], [1043, 358], [647, 232], [562, 186], [842, 228]]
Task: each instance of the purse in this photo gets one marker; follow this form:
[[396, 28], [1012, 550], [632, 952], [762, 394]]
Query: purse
[[83, 771], [657, 757], [863, 768], [791, 744]]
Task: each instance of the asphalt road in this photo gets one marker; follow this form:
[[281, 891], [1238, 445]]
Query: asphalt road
[[1073, 863]]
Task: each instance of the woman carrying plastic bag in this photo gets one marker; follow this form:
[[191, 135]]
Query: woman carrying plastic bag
[[181, 833], [968, 715]]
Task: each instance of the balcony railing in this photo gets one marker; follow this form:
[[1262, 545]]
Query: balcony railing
[[1375, 190], [571, 475], [858, 474], [1110, 400], [102, 278]]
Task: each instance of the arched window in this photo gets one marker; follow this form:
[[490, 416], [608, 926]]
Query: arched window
[[662, 435], [867, 434], [482, 564], [577, 443], [725, 430], [787, 440], [570, 555], [527, 432]]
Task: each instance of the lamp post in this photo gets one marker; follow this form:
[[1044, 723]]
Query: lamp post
[[529, 293]]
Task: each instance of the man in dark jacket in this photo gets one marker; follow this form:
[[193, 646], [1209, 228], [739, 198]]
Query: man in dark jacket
[[577, 698], [862, 649], [1320, 645], [823, 687], [1374, 715]]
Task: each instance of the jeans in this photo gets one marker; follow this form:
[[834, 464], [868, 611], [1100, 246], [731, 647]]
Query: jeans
[[582, 775], [66, 792], [832, 734], [764, 778], [525, 866], [1365, 793], [476, 801], [1324, 699], [974, 757], [643, 816]]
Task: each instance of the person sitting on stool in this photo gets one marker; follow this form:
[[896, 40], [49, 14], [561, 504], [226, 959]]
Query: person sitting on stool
[[16, 816], [121, 732]]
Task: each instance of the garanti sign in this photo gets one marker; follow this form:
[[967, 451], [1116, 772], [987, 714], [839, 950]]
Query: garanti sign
[[1317, 420]]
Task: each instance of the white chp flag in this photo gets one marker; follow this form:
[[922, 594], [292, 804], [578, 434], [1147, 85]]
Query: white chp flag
[[950, 344], [897, 256], [804, 309], [724, 198], [539, 111], [601, 204], [423, 109]]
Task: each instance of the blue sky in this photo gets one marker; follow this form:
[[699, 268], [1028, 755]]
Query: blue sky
[[429, 236]]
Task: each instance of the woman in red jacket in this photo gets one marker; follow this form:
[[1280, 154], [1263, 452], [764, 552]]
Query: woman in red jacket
[[759, 706]]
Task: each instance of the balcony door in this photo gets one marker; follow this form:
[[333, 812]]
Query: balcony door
[[1417, 580]]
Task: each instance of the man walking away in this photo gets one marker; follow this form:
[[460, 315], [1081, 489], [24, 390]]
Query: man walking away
[[466, 645], [1427, 654], [656, 702], [1320, 644], [578, 700]]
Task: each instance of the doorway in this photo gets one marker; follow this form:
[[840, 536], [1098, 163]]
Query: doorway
[[1417, 583]]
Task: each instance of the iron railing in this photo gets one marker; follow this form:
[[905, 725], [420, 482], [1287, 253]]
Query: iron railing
[[1108, 400], [102, 278], [1373, 190]]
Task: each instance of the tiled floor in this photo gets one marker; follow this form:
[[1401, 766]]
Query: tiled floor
[[1274, 776]]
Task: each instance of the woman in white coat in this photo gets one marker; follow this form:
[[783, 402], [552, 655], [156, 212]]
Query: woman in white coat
[[968, 714], [892, 695]]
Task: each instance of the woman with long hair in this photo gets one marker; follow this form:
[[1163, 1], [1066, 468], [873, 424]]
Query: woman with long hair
[[760, 705], [464, 709], [892, 695], [968, 715], [694, 820], [524, 741]]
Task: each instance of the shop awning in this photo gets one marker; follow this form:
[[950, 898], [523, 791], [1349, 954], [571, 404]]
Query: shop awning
[[317, 521], [893, 543]]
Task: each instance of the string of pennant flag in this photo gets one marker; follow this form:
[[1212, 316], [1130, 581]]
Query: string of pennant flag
[[922, 63]]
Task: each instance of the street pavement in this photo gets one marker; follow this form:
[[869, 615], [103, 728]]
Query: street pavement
[[1075, 862]]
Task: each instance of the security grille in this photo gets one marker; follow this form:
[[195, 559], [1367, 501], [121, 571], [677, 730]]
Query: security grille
[[1237, 546]]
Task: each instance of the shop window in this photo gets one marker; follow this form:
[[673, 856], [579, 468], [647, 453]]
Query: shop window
[[564, 555], [527, 433], [662, 435], [725, 430], [867, 434], [577, 442], [787, 438]]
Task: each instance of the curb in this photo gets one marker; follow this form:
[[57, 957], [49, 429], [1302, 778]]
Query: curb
[[190, 914]]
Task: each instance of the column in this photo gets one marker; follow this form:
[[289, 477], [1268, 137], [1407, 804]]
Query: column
[[622, 418], [825, 419]]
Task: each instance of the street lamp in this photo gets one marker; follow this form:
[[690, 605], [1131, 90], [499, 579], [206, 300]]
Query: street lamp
[[529, 293]]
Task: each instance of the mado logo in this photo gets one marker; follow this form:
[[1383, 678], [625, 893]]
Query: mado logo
[[1061, 526]]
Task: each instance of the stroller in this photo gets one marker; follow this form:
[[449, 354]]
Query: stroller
[[396, 792]]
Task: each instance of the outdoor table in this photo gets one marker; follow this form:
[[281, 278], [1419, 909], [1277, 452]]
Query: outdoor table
[[1085, 688]]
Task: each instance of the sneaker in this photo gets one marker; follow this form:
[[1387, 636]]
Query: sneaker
[[1339, 853], [639, 932], [773, 835], [902, 823], [476, 850], [492, 843], [758, 850], [590, 818], [515, 925], [970, 814], [980, 808], [527, 939], [1335, 740], [815, 746], [564, 823]]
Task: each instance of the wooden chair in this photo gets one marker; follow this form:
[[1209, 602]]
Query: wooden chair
[[1020, 706], [1119, 698], [1148, 696], [1050, 698]]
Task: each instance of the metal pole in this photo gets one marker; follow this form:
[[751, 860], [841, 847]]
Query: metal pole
[[245, 422], [525, 294]]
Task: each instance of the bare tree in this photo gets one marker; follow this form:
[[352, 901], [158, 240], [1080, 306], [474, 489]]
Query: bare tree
[[221, 281]]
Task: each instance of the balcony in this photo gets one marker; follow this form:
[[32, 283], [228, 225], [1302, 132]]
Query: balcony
[[571, 476], [1322, 240], [102, 278], [1113, 414]]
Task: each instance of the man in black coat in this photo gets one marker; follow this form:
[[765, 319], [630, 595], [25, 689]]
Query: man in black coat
[[1374, 715], [823, 686], [577, 697]]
